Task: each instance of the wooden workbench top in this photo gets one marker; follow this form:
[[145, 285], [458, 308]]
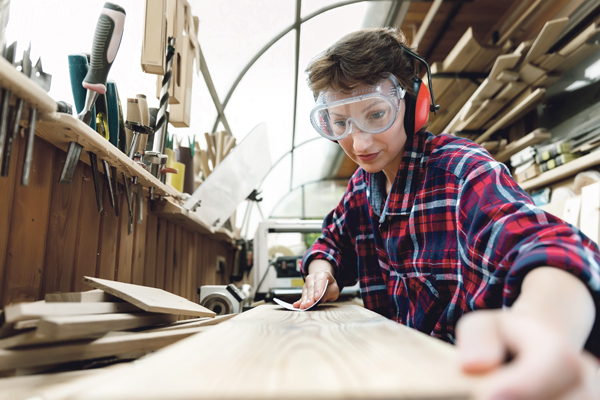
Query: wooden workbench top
[[332, 352]]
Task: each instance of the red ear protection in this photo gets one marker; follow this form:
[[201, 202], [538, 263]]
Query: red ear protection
[[422, 107]]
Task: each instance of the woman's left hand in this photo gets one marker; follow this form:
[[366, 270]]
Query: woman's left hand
[[543, 365]]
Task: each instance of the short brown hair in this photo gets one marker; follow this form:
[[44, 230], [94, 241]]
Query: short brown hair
[[364, 57]]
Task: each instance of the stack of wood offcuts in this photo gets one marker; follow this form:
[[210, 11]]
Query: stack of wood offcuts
[[114, 322]]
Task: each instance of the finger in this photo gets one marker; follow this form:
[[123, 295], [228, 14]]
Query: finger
[[332, 292], [308, 298], [321, 279], [298, 304], [543, 367], [480, 347], [589, 384]]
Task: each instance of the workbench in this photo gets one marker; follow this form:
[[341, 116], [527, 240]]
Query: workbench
[[331, 352]]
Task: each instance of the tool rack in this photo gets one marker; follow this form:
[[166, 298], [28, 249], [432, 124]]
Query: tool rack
[[51, 234]]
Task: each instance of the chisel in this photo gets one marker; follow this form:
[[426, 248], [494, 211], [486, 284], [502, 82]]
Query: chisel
[[9, 55], [129, 205]]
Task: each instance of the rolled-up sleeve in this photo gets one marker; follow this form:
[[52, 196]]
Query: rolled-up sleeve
[[503, 235]]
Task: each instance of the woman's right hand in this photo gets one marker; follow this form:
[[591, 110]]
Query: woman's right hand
[[314, 285]]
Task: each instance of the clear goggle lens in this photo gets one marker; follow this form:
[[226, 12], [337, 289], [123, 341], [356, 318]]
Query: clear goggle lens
[[372, 110]]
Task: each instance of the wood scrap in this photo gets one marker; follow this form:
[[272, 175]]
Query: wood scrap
[[511, 91], [524, 106], [219, 147], [552, 61], [95, 295], [504, 62], [26, 324], [103, 347], [209, 144], [535, 137], [488, 109], [524, 47], [39, 309], [461, 92], [204, 164], [228, 145], [517, 23], [82, 325], [577, 56], [547, 80], [440, 85], [483, 60], [150, 299], [193, 323]]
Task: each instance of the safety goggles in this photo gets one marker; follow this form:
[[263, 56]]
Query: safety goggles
[[370, 109]]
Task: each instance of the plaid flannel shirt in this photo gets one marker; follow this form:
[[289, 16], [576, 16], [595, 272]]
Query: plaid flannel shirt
[[456, 234]]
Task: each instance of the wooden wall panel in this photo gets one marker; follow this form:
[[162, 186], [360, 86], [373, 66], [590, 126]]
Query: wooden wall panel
[[170, 257], [161, 253], [88, 232], [51, 236], [7, 189], [139, 246], [124, 241], [62, 229], [28, 227]]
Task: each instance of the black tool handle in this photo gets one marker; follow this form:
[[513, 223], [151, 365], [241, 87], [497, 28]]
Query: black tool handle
[[107, 39]]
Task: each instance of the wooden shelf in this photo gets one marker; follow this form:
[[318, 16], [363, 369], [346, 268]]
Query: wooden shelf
[[24, 88], [172, 211], [562, 172], [61, 129]]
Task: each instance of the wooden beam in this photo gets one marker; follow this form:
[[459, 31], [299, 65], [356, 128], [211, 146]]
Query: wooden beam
[[462, 54], [90, 296], [546, 38]]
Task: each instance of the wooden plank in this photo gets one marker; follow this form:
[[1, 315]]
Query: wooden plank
[[519, 21], [547, 80], [524, 106], [168, 209], [577, 56], [503, 62], [90, 296], [193, 323], [439, 84], [563, 172], [39, 309], [401, 363], [530, 73], [463, 90], [7, 189], [139, 245], [124, 241], [23, 87], [462, 54], [29, 216], [88, 231], [150, 299], [535, 137], [99, 348], [150, 256], [109, 237], [62, 230], [191, 263], [487, 89], [487, 110], [483, 60], [69, 327], [170, 257], [579, 40], [511, 91], [508, 76], [161, 251], [553, 61], [546, 38]]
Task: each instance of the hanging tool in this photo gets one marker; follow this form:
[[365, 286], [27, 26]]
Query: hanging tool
[[133, 114], [108, 181], [145, 115], [9, 55], [96, 177], [43, 80], [115, 186], [140, 200], [15, 116], [112, 112], [138, 130], [129, 205]]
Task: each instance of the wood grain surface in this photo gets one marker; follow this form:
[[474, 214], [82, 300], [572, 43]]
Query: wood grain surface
[[333, 352]]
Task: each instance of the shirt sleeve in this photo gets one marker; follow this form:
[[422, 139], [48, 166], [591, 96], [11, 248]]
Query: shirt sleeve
[[335, 243], [502, 236]]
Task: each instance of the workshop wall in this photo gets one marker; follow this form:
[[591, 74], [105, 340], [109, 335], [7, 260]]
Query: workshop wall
[[51, 235]]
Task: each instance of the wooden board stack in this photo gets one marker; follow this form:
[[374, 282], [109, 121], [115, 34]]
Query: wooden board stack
[[219, 144], [115, 321], [517, 82]]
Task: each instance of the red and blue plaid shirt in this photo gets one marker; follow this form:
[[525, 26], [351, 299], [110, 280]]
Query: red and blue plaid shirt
[[456, 234]]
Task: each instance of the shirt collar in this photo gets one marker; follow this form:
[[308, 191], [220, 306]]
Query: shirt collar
[[406, 182]]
